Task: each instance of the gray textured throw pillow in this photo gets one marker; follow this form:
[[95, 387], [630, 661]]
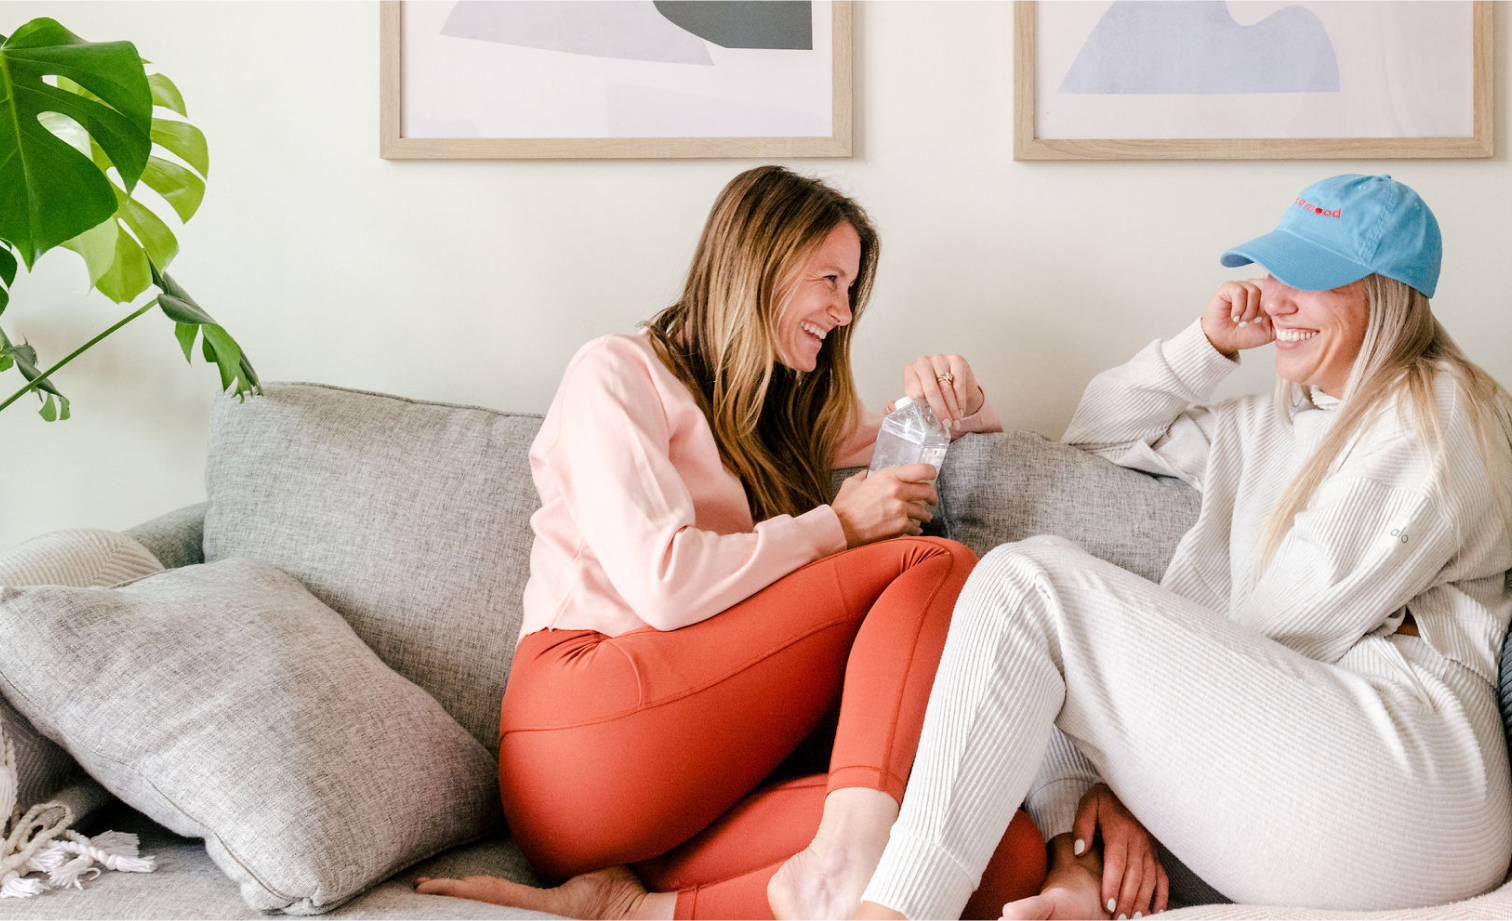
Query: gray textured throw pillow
[[227, 703], [79, 557]]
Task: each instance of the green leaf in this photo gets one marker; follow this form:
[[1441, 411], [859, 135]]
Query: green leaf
[[50, 412], [7, 276], [217, 346], [186, 333], [49, 192], [176, 302], [179, 187], [149, 237], [98, 247], [25, 358], [130, 271], [184, 141], [165, 94], [150, 231]]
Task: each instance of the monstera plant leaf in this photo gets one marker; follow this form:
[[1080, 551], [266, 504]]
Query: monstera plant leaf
[[117, 251], [7, 276], [217, 345], [24, 358], [49, 191], [79, 139]]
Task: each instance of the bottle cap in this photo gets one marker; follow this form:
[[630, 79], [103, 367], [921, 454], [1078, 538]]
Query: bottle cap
[[901, 402]]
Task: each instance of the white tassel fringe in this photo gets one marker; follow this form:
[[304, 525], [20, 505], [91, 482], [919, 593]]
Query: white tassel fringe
[[42, 842]]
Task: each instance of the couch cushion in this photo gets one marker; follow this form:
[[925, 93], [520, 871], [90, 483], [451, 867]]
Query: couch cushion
[[410, 519], [80, 557], [227, 703], [1006, 487]]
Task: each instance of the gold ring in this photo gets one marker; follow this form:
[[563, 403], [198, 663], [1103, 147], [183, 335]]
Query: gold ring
[[945, 377]]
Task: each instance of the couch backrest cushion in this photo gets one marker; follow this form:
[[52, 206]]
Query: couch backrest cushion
[[1000, 488], [410, 519]]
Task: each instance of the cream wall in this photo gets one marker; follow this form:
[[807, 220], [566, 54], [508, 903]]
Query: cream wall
[[474, 282]]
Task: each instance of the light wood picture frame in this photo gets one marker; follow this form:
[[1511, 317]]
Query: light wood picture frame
[[402, 138], [1101, 96]]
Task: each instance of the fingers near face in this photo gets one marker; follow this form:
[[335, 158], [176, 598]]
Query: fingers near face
[[1245, 302]]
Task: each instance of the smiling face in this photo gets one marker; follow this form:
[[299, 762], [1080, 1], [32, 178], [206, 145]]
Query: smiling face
[[818, 299], [1318, 333]]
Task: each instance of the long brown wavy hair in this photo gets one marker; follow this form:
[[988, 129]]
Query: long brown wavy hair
[[777, 429]]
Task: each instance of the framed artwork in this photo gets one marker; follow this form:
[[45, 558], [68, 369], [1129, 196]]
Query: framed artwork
[[511, 79], [1251, 80]]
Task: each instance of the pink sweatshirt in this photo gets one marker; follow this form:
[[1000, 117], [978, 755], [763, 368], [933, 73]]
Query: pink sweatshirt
[[641, 524]]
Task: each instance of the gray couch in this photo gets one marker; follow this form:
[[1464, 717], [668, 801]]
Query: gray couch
[[411, 521]]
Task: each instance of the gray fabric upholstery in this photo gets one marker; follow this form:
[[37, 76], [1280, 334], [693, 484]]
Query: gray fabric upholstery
[[177, 538], [227, 703], [81, 557], [1006, 487], [410, 519], [188, 885]]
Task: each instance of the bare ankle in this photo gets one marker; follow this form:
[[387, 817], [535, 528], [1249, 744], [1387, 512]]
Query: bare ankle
[[852, 812]]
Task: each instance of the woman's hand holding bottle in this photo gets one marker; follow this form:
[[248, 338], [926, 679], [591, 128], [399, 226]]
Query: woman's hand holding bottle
[[887, 503]]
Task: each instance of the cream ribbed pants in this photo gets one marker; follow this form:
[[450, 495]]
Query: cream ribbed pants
[[1377, 782]]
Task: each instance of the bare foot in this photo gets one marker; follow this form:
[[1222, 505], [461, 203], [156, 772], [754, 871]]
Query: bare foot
[[602, 894], [1073, 888], [826, 879]]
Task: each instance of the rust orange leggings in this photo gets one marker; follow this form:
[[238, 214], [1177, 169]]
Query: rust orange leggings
[[645, 748]]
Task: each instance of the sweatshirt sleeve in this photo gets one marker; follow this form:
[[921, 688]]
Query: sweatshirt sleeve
[[1377, 533], [636, 512], [1146, 414]]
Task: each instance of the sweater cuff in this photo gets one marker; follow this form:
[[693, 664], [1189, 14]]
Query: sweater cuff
[[822, 526], [919, 879], [1053, 806], [1194, 361]]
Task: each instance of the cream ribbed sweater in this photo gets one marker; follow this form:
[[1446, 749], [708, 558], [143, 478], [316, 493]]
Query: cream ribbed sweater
[[1391, 529], [1270, 728]]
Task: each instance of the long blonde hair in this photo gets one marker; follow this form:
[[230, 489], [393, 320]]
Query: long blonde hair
[[1405, 347], [777, 429]]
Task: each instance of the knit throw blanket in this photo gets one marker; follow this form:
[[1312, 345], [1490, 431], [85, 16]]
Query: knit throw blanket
[[40, 851]]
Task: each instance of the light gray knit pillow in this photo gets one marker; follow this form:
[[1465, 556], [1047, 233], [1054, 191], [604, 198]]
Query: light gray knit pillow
[[227, 703], [82, 558], [410, 519]]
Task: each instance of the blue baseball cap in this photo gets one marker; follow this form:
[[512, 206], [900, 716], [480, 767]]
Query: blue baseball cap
[[1344, 228]]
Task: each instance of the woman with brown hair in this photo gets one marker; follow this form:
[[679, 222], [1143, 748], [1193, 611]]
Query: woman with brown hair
[[698, 604]]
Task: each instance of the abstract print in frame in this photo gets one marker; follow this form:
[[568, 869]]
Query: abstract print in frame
[[1252, 79], [507, 79]]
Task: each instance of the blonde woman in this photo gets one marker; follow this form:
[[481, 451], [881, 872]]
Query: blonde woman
[[691, 618], [1304, 710]]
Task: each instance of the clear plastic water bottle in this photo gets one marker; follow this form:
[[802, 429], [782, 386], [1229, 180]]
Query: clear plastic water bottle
[[910, 434]]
